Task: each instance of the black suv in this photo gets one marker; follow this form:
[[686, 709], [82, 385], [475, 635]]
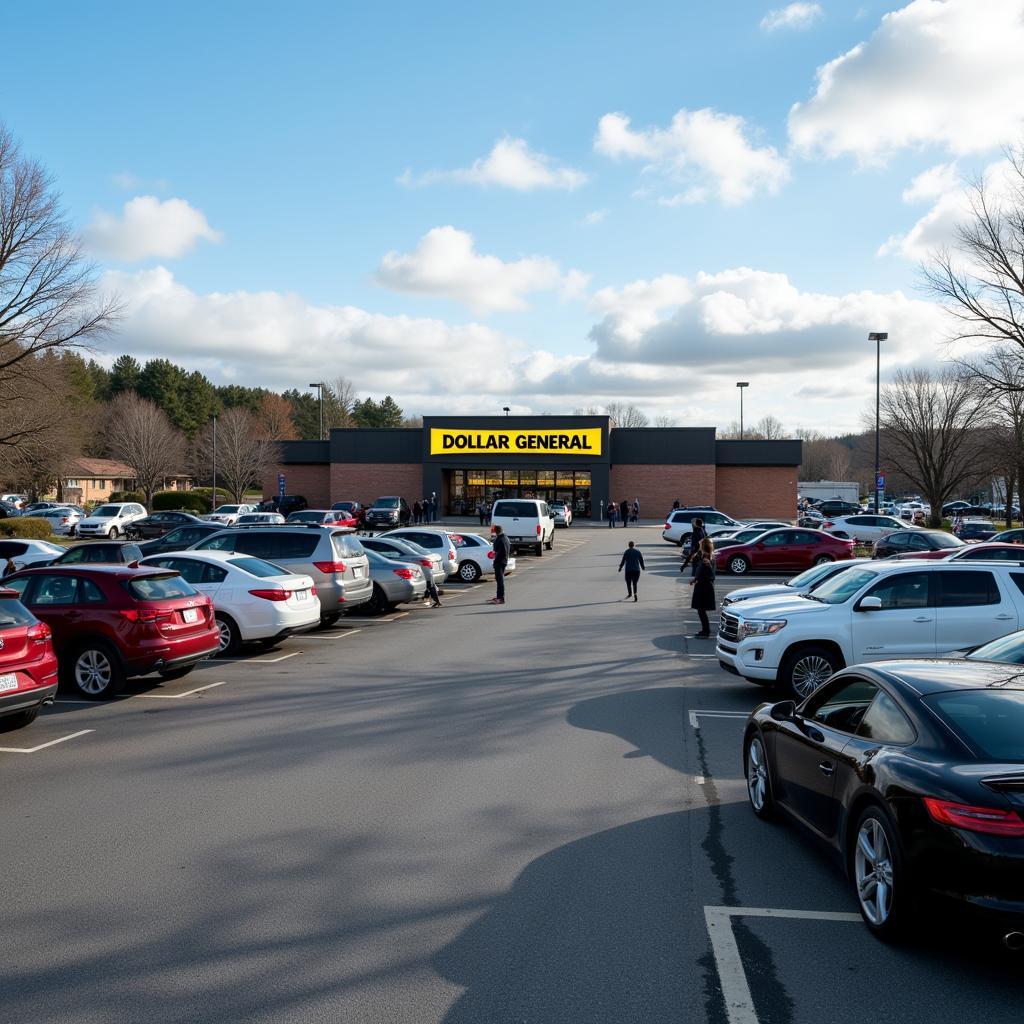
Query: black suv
[[388, 512], [838, 507]]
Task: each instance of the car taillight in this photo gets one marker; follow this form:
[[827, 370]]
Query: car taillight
[[825, 525], [490, 554], [426, 563], [330, 566], [666, 526], [39, 633], [272, 595], [406, 574], [451, 554], [993, 821], [538, 529], [312, 591], [142, 615]]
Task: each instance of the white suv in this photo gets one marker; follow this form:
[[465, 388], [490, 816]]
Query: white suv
[[527, 522], [227, 515], [679, 525], [111, 521], [907, 609]]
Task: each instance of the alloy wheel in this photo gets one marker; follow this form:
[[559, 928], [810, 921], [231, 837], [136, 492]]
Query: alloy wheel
[[757, 774], [93, 672], [738, 566], [226, 636], [809, 673], [873, 871]]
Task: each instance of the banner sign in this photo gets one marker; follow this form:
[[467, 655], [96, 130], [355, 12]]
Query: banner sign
[[585, 441]]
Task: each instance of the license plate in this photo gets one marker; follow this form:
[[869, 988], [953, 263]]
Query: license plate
[[357, 571], [301, 595], [8, 682], [190, 614]]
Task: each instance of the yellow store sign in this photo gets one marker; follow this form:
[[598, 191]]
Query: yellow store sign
[[586, 441]]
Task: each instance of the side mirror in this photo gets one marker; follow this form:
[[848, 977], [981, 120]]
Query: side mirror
[[784, 711], [870, 604]]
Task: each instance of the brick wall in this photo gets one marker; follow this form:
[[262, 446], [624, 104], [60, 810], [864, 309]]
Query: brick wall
[[658, 487], [764, 492], [311, 481], [366, 482]]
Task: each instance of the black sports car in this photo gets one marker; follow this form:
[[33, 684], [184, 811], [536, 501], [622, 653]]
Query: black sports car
[[913, 773]]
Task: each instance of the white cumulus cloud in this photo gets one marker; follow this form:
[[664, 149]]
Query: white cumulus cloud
[[708, 152], [446, 264], [798, 15], [936, 72], [148, 227], [510, 164]]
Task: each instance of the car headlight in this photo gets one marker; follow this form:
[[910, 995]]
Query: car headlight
[[761, 627]]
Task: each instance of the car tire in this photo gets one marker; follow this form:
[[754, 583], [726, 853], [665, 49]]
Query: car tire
[[378, 603], [230, 638], [685, 539], [823, 559], [739, 566], [328, 620], [469, 572], [19, 719], [880, 880], [176, 673], [538, 549], [95, 670], [551, 541], [759, 777], [806, 669], [112, 533]]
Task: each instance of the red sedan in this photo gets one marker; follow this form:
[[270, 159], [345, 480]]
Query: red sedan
[[991, 552], [783, 550], [111, 622], [28, 666]]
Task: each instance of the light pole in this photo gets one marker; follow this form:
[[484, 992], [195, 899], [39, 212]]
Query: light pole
[[506, 409], [320, 389], [213, 495], [878, 338], [741, 384]]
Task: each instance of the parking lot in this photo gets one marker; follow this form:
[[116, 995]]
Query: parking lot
[[473, 814]]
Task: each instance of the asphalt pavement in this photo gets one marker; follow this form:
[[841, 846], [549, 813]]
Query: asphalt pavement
[[532, 813]]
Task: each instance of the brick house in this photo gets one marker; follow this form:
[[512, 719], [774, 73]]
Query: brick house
[[92, 480]]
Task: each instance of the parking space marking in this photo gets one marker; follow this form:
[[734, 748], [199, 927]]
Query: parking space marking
[[178, 696], [337, 636], [258, 661], [700, 655], [696, 715], [739, 1004], [43, 746]]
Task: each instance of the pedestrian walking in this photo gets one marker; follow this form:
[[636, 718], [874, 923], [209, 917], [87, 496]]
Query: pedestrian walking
[[703, 583], [636, 510], [481, 511], [432, 597], [697, 535], [633, 562], [433, 506], [624, 512], [613, 514], [502, 550], [417, 512]]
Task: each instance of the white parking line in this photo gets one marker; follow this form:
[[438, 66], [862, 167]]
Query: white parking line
[[700, 655], [696, 715], [43, 746], [257, 661], [739, 1004], [337, 636], [178, 696]]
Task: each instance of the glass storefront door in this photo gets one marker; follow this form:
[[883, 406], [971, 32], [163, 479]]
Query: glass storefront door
[[468, 487]]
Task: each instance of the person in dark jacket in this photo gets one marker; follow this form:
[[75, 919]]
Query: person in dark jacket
[[481, 511], [703, 583], [502, 550], [697, 536], [633, 562], [613, 513], [417, 513], [624, 511]]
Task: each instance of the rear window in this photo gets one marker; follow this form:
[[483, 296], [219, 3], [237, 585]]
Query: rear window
[[387, 503], [516, 508], [346, 545], [305, 517], [991, 722], [945, 540], [257, 567], [108, 511], [296, 545], [160, 588], [14, 613]]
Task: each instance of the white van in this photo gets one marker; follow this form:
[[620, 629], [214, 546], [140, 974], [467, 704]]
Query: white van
[[527, 522]]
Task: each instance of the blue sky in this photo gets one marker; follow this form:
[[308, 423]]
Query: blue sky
[[242, 172]]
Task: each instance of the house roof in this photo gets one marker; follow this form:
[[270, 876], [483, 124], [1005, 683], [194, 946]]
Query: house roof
[[101, 468]]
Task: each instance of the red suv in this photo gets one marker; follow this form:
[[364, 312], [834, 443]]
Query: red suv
[[28, 666], [784, 550], [111, 622]]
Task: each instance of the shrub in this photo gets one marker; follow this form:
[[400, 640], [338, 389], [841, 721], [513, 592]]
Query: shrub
[[128, 496], [189, 501], [32, 527], [223, 497]]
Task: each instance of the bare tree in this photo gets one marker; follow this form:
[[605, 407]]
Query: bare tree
[[48, 295], [839, 463], [769, 428], [275, 416], [245, 451], [933, 431], [623, 415], [141, 436], [664, 421], [1002, 377]]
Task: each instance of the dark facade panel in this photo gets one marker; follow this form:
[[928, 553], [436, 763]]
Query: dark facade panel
[[663, 446], [759, 453], [305, 452], [399, 444]]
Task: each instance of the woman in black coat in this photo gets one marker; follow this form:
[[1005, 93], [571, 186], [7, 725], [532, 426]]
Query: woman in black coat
[[697, 535], [703, 583]]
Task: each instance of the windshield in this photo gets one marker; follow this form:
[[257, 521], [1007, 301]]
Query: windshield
[[991, 721], [305, 517], [343, 506], [258, 567], [747, 535], [387, 502], [812, 575], [946, 540], [1009, 649], [107, 511], [844, 586], [227, 510]]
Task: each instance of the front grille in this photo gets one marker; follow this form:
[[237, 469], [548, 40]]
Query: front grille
[[729, 629]]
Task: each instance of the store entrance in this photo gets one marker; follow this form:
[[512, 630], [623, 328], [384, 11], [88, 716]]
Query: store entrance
[[467, 488]]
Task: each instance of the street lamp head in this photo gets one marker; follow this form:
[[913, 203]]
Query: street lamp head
[[743, 383], [315, 385], [506, 409], [877, 336]]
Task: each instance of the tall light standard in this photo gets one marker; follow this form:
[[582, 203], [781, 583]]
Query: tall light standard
[[320, 389], [878, 338], [741, 384], [213, 495], [506, 409]]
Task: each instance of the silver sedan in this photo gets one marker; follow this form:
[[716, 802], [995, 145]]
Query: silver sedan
[[400, 550], [393, 583]]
